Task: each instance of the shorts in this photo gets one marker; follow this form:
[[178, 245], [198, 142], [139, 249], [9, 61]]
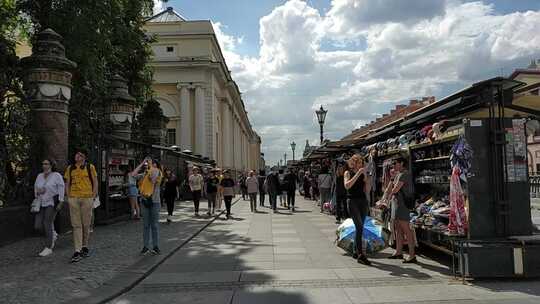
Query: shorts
[[133, 191]]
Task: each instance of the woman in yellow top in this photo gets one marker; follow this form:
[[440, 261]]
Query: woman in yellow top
[[150, 202]]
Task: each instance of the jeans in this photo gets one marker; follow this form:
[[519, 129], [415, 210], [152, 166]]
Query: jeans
[[45, 222], [253, 201], [273, 200], [290, 197], [151, 224], [342, 210], [212, 202], [261, 198], [228, 202], [80, 212], [358, 208], [196, 200]]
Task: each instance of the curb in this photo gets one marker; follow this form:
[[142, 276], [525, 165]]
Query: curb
[[135, 273]]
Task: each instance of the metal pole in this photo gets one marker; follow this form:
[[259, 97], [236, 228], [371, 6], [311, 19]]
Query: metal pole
[[321, 134]]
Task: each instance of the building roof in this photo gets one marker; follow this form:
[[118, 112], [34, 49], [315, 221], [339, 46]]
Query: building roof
[[168, 15]]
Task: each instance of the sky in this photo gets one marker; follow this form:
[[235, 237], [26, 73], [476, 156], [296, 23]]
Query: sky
[[358, 58]]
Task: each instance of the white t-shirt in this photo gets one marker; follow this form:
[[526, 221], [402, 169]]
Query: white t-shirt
[[53, 185], [196, 182]]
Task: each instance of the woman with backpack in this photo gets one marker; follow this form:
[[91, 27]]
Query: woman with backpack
[[400, 213], [49, 190]]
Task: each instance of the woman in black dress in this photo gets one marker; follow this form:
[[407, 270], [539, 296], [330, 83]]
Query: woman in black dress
[[357, 182], [171, 192]]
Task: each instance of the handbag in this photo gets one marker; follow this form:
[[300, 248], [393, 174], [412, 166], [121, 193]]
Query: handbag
[[36, 206], [96, 203]]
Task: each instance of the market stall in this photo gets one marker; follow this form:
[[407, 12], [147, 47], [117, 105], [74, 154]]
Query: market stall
[[467, 157]]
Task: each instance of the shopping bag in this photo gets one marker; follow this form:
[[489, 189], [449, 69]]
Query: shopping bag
[[374, 238]]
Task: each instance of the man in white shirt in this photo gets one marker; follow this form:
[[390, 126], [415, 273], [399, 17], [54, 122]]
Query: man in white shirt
[[196, 182]]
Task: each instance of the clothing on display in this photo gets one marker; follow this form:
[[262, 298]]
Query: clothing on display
[[458, 216]]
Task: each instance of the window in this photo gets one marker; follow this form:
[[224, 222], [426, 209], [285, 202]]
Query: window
[[171, 137], [537, 168], [537, 154], [170, 49]]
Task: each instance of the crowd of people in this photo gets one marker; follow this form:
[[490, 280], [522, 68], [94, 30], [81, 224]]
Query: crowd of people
[[149, 184]]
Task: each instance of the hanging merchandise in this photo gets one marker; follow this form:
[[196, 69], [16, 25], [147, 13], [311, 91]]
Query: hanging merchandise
[[458, 217], [461, 156]]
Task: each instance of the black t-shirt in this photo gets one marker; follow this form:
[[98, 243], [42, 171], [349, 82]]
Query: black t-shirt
[[357, 189], [227, 182], [340, 187], [211, 184]]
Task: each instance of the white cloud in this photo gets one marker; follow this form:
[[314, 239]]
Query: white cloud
[[407, 53], [158, 6]]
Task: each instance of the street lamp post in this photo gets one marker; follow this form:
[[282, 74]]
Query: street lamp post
[[293, 147], [321, 116], [285, 159]]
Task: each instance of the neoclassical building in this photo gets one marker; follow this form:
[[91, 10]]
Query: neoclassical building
[[197, 93]]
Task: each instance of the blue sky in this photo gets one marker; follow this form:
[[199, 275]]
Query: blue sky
[[359, 58]]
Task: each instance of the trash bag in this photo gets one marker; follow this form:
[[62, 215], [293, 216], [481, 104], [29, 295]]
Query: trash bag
[[374, 239]]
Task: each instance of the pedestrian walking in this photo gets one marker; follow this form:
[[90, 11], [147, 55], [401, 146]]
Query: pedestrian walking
[[133, 194], [342, 210], [307, 185], [150, 190], [219, 197], [400, 214], [357, 184], [196, 182], [243, 186], [273, 189], [212, 190], [170, 192], [252, 183], [290, 181], [262, 191], [81, 188], [314, 188], [325, 186], [49, 190], [282, 189], [227, 185]]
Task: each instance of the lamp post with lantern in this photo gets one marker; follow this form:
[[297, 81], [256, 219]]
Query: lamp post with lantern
[[293, 147], [321, 116]]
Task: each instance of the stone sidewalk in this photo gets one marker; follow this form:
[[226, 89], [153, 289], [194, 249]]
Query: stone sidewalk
[[291, 258], [115, 262]]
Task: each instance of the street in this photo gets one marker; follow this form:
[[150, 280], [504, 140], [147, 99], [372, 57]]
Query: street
[[284, 258], [253, 258]]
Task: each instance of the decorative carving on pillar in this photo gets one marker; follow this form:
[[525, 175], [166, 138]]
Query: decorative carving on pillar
[[47, 85], [120, 108]]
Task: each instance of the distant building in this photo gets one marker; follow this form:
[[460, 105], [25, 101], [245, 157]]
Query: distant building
[[530, 76], [397, 113], [197, 93], [308, 149]]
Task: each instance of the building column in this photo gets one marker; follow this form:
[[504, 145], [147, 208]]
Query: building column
[[185, 119], [227, 136], [200, 122]]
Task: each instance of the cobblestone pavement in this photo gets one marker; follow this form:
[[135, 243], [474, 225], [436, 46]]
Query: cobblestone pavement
[[27, 278], [291, 258]]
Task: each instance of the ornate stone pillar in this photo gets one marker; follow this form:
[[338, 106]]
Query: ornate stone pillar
[[185, 118], [47, 84], [200, 119], [120, 108], [156, 123]]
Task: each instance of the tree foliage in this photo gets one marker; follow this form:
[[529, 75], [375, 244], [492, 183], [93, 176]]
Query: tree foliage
[[104, 38]]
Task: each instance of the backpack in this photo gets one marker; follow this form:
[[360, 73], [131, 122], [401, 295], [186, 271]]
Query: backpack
[[87, 165]]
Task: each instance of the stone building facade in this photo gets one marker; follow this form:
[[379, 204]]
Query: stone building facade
[[198, 95]]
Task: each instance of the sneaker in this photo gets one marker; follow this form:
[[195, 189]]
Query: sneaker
[[363, 260], [410, 261], [209, 213], [144, 251], [76, 257], [155, 251], [54, 239], [46, 252], [85, 252]]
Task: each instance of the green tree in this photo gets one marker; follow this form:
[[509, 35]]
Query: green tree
[[13, 110], [104, 38]]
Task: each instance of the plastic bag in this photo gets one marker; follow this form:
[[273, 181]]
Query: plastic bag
[[374, 238]]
